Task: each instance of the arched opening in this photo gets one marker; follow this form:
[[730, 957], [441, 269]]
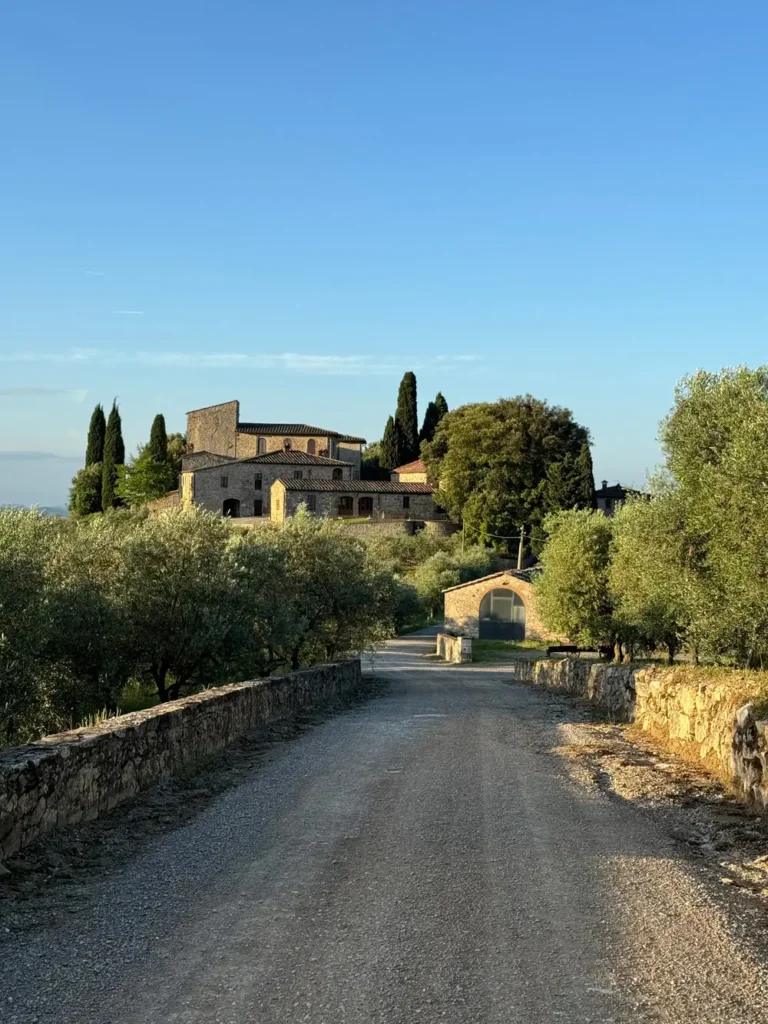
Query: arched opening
[[365, 507], [231, 508], [261, 446], [311, 446], [287, 444], [502, 616]]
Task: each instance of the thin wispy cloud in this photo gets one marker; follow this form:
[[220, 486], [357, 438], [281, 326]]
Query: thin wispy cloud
[[36, 457], [289, 362], [128, 312], [76, 394]]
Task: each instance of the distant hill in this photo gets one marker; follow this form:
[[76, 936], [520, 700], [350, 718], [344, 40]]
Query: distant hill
[[50, 510]]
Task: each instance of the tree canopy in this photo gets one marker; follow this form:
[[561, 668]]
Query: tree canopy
[[407, 419], [97, 428], [495, 463], [435, 412], [114, 456]]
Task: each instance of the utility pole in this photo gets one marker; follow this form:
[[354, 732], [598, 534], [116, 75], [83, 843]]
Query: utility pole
[[520, 548]]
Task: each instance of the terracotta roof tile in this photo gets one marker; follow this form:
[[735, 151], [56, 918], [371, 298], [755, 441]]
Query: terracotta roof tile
[[363, 486], [417, 466]]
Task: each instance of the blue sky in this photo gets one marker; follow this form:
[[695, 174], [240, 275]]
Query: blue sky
[[293, 203]]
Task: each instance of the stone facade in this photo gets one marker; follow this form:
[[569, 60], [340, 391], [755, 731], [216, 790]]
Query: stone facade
[[76, 776], [242, 487], [219, 430], [360, 498], [411, 473], [706, 715], [462, 606], [456, 649]]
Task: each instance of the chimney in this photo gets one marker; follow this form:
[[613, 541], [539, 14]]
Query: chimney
[[605, 484]]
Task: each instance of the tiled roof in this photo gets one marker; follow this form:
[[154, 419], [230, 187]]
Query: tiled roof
[[520, 574], [363, 486], [294, 458], [193, 461], [295, 430], [417, 466], [614, 491], [350, 439]]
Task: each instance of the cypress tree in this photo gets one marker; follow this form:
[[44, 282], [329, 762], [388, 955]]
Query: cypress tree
[[406, 417], [158, 440], [114, 456], [391, 453], [586, 478], [435, 412], [96, 431]]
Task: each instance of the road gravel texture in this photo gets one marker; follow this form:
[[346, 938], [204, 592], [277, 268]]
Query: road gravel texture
[[429, 856]]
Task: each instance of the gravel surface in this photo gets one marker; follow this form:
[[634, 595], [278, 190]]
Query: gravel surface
[[437, 854]]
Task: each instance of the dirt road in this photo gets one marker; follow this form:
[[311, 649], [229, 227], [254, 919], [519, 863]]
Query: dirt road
[[426, 857]]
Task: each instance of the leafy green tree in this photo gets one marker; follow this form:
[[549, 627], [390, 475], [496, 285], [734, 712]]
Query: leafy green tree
[[179, 600], [406, 418], [114, 456], [371, 467], [85, 492], [391, 452], [586, 478], [572, 594], [447, 569], [177, 449], [143, 479], [96, 433], [435, 412], [492, 461], [649, 573], [158, 440]]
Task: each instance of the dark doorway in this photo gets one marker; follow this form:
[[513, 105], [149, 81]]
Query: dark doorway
[[345, 506], [258, 507], [502, 616], [365, 507], [231, 508]]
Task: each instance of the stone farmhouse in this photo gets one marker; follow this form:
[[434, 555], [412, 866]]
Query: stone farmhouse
[[218, 429], [265, 471]]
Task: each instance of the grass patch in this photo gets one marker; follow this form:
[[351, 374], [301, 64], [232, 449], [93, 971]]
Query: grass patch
[[502, 650]]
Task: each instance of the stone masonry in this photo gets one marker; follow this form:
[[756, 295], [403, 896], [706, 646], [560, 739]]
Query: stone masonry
[[707, 715], [462, 606], [367, 498], [76, 776]]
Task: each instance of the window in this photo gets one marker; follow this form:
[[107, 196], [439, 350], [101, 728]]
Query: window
[[261, 445], [258, 507], [312, 502], [338, 474], [298, 474], [406, 501], [311, 446], [257, 482], [225, 481], [287, 444]]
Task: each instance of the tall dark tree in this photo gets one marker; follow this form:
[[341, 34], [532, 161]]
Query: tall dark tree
[[158, 440], [114, 456], [586, 478], [435, 412], [391, 446], [407, 418], [97, 428]]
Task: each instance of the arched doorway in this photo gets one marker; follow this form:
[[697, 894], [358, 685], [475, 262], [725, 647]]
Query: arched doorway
[[311, 446], [502, 615], [261, 446], [365, 507], [231, 508]]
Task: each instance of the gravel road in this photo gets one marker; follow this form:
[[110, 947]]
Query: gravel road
[[426, 857]]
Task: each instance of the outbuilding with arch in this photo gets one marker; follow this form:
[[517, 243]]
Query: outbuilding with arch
[[501, 606]]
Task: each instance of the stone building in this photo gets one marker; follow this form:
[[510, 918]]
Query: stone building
[[501, 606], [242, 487], [411, 473], [613, 497], [218, 430], [370, 499]]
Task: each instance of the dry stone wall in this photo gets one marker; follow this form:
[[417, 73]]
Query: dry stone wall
[[76, 776], [456, 649], [705, 715]]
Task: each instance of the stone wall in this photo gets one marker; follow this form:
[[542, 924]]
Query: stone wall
[[456, 649], [214, 429], [707, 715], [462, 607], [241, 477], [76, 776], [248, 444], [420, 506]]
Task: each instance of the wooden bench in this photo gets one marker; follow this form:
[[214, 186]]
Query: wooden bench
[[563, 649]]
